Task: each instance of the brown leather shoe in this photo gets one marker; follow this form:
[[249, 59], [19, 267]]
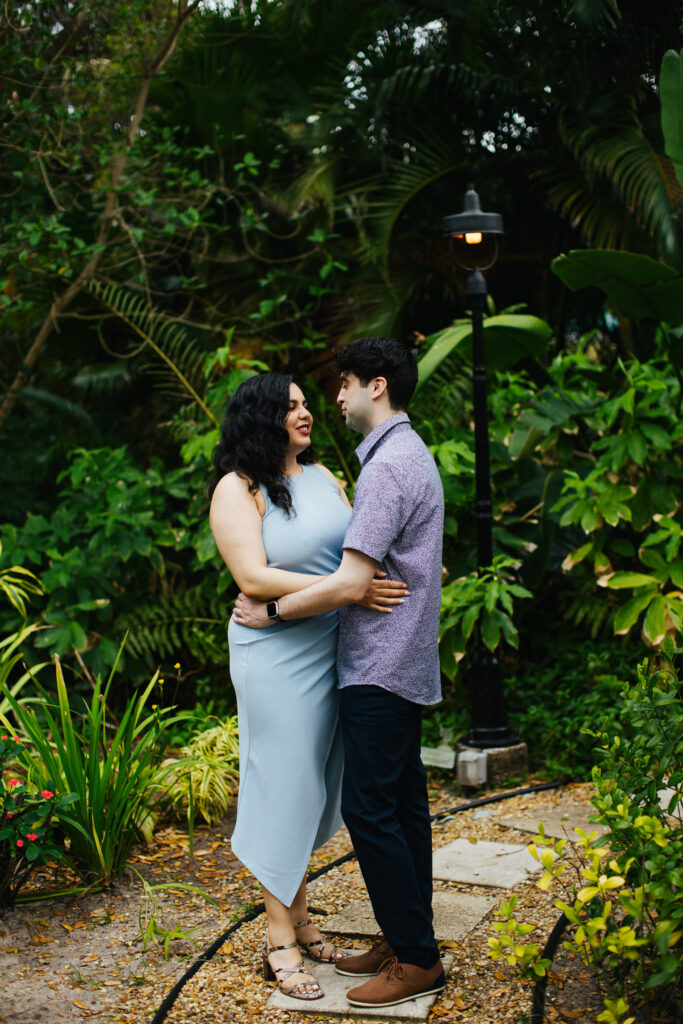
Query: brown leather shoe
[[367, 964], [397, 983]]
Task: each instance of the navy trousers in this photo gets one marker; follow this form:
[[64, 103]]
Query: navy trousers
[[386, 810]]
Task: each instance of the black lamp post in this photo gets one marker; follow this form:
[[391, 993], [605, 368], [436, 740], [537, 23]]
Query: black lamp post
[[474, 247]]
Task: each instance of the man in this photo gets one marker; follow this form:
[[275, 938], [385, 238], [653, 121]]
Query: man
[[388, 667]]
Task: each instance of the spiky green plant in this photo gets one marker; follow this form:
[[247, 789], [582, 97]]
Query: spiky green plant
[[110, 768]]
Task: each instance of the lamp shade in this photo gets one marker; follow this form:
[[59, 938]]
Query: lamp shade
[[473, 234], [472, 219]]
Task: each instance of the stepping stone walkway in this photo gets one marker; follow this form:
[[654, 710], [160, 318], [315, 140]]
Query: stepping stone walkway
[[479, 863], [455, 915]]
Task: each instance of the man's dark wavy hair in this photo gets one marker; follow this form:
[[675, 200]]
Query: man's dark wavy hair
[[254, 440], [382, 357]]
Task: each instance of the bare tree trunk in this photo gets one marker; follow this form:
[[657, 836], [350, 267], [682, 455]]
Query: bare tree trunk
[[185, 9]]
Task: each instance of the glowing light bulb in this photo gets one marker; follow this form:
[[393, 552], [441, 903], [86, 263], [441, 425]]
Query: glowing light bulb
[[473, 237]]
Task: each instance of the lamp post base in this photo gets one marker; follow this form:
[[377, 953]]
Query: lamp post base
[[502, 763], [483, 739]]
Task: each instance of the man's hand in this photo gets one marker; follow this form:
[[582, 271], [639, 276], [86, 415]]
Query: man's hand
[[383, 592], [249, 612]]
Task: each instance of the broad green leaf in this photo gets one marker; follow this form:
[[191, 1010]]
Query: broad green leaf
[[654, 626], [490, 629], [507, 339], [637, 285], [671, 99], [624, 580], [628, 614]]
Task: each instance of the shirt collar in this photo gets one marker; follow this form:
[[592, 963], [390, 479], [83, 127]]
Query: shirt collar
[[370, 442]]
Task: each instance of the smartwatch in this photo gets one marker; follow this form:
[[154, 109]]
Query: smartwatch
[[273, 611]]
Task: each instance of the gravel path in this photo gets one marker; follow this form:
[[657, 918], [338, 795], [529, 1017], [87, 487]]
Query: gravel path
[[70, 960]]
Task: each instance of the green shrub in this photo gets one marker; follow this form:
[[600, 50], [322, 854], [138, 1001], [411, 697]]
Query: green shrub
[[625, 911], [29, 835], [559, 692]]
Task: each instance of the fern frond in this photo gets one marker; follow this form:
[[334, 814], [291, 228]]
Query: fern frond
[[164, 336], [109, 379], [69, 410], [193, 620]]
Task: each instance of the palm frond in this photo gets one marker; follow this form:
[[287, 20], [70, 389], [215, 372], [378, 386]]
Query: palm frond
[[618, 184], [412, 85], [595, 13], [315, 185], [402, 182]]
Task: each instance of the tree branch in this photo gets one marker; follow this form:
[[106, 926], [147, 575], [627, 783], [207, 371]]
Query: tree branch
[[87, 272]]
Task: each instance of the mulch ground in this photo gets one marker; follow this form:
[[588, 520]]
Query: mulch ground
[[71, 959]]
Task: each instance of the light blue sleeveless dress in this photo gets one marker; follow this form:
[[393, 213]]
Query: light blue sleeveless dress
[[291, 754]]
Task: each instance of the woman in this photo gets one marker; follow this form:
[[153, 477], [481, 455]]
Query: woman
[[279, 519]]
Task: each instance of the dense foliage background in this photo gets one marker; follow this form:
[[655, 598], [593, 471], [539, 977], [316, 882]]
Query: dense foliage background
[[194, 192]]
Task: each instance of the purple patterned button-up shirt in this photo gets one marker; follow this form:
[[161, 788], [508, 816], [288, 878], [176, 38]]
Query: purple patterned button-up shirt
[[398, 521]]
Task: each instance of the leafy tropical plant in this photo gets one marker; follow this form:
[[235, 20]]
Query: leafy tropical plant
[[109, 766], [203, 778], [478, 605], [11, 653]]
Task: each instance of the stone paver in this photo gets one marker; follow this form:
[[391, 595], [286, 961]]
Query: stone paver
[[559, 822], [455, 916], [335, 986], [483, 863]]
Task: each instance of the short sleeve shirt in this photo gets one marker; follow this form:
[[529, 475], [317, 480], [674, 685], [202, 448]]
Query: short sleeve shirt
[[397, 520]]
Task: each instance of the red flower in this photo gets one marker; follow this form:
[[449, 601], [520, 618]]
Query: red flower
[[12, 783], [9, 815], [20, 842], [16, 739], [5, 737], [32, 836], [46, 794]]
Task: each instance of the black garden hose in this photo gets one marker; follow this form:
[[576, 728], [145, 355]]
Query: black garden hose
[[538, 1004], [256, 911]]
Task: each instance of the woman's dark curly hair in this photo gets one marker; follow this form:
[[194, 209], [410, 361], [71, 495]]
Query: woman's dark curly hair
[[254, 440]]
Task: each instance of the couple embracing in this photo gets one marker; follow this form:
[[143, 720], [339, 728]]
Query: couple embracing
[[333, 654]]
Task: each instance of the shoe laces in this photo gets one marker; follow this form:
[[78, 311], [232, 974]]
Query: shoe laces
[[392, 968]]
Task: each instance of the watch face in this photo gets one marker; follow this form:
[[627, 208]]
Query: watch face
[[271, 610]]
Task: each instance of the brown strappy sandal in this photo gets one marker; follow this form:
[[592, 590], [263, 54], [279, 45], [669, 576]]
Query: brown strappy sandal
[[271, 973], [335, 956]]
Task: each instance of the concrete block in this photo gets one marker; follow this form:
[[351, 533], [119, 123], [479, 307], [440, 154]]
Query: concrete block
[[483, 863], [335, 986], [472, 767], [455, 916]]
